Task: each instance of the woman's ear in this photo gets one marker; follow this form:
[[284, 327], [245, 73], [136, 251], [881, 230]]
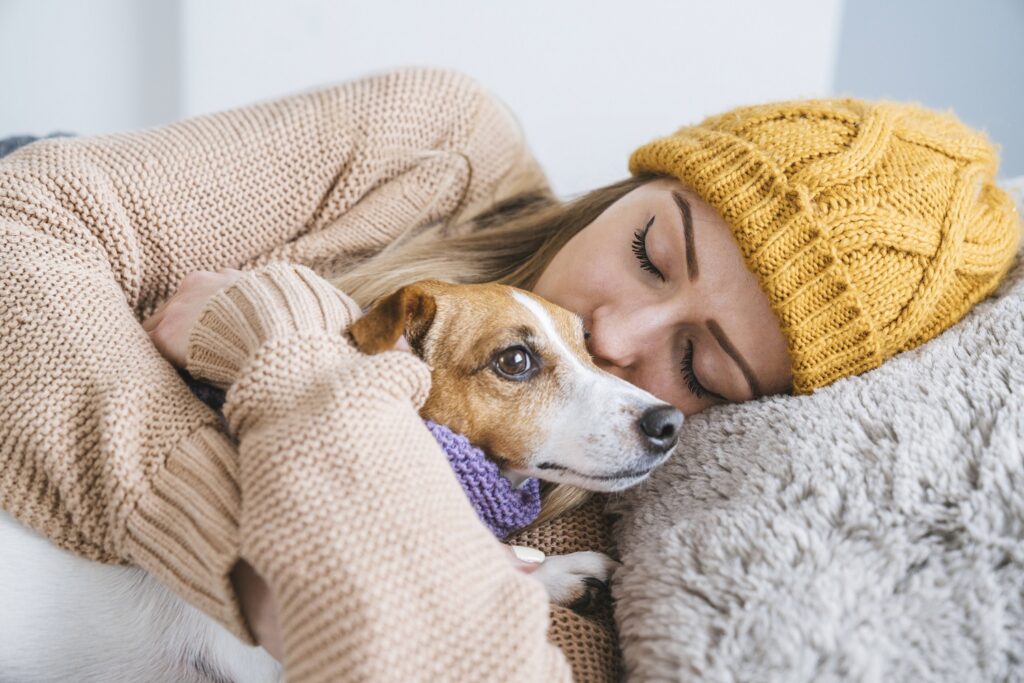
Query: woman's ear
[[409, 311]]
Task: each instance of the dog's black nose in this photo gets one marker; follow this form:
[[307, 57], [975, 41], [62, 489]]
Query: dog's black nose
[[661, 427]]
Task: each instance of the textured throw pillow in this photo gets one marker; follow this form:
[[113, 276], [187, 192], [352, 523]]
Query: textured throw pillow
[[872, 531]]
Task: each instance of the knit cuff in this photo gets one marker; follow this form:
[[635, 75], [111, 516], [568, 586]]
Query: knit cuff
[[184, 530], [275, 301]]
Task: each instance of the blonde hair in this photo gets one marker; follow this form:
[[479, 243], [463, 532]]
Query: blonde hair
[[511, 243]]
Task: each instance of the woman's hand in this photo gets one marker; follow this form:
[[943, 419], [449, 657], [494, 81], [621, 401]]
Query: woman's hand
[[171, 323]]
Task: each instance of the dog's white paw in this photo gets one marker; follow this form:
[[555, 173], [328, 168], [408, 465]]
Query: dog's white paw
[[575, 579]]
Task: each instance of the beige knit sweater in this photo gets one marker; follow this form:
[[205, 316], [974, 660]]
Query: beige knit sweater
[[330, 485]]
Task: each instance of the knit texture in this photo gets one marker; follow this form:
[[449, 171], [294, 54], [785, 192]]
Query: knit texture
[[331, 486], [872, 227], [501, 507]]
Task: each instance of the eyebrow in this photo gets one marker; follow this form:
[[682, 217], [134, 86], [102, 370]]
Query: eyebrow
[[723, 341], [687, 216], [692, 272]]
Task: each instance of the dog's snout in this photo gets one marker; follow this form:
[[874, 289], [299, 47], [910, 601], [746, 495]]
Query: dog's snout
[[661, 426]]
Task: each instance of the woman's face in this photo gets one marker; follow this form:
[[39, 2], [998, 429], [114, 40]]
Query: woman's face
[[669, 302]]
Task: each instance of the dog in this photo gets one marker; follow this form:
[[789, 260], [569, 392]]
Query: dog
[[509, 370]]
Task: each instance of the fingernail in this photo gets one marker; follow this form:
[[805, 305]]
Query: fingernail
[[527, 554]]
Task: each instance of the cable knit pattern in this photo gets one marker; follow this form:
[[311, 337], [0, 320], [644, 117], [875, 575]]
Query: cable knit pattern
[[105, 450], [872, 227]]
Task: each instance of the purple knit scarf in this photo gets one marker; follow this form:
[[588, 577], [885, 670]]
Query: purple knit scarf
[[501, 507]]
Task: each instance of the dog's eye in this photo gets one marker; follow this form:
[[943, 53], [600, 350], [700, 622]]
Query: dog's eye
[[515, 363]]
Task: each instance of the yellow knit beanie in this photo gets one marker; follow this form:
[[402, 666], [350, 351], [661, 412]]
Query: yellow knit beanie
[[872, 227]]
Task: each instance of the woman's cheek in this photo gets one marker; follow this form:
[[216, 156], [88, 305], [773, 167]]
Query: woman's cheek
[[605, 272]]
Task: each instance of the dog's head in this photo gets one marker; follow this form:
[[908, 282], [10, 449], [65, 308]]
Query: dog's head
[[511, 371]]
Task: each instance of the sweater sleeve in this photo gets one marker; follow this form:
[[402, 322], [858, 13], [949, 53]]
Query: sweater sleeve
[[102, 448], [349, 509], [317, 178]]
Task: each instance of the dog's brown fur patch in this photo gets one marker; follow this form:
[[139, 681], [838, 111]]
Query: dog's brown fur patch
[[458, 330]]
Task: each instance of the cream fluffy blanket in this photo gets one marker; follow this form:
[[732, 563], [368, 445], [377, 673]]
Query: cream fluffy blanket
[[873, 531]]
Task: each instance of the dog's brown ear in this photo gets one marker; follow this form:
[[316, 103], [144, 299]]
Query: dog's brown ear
[[409, 311]]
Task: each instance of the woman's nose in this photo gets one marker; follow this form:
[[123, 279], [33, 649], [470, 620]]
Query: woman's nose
[[618, 339]]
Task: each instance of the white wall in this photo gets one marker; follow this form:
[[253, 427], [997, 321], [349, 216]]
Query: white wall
[[589, 80], [87, 67]]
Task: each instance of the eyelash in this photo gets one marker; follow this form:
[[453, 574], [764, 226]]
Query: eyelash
[[689, 376], [640, 250]]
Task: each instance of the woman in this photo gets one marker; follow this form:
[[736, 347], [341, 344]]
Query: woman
[[777, 247]]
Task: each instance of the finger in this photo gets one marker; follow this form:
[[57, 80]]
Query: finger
[[150, 323], [524, 558]]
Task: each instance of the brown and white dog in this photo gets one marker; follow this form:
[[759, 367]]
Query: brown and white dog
[[509, 370]]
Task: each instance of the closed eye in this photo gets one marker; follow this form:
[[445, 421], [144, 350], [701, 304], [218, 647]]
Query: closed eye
[[640, 250], [690, 376]]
